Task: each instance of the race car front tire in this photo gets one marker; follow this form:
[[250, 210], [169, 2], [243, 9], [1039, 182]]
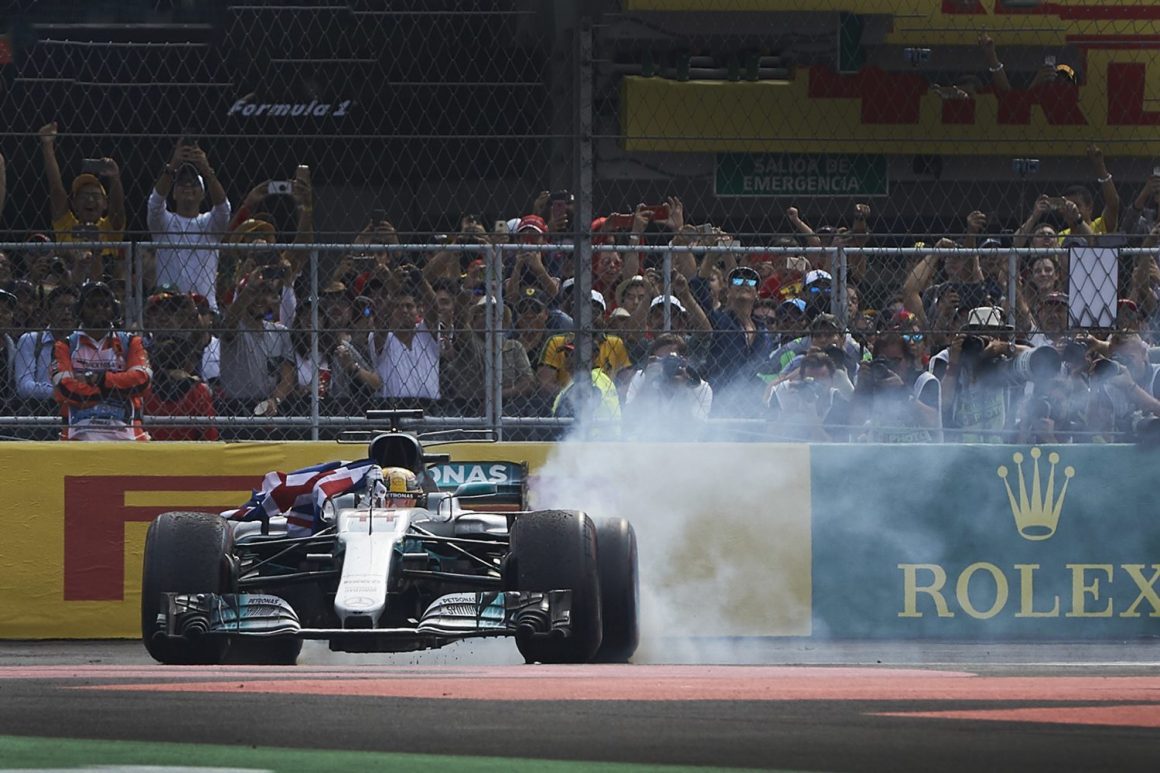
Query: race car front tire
[[184, 553], [619, 590], [556, 550]]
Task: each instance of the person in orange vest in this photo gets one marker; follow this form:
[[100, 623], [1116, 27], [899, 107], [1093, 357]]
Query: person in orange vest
[[100, 374]]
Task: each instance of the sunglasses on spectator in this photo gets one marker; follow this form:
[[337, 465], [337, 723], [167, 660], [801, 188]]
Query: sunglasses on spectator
[[747, 281], [914, 338]]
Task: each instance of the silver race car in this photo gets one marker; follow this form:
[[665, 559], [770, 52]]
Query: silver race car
[[372, 556]]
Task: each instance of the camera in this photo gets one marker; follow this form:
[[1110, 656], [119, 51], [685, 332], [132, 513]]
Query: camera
[[1074, 353], [672, 365], [279, 188], [1025, 166], [916, 55], [880, 369], [973, 345], [1103, 369]]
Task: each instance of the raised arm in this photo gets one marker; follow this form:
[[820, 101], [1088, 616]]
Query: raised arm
[[998, 72], [1111, 213], [58, 196]]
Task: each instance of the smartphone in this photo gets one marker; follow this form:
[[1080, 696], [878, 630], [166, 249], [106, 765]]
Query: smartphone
[[92, 166], [378, 215], [1049, 61], [1057, 202], [280, 188], [619, 222], [273, 272], [1156, 171], [658, 211], [302, 172]]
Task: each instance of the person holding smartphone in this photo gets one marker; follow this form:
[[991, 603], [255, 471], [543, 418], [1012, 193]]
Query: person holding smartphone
[[190, 258], [91, 210]]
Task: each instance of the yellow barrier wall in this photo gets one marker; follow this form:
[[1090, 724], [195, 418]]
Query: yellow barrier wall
[[70, 560]]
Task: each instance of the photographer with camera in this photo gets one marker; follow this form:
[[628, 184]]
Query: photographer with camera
[[190, 261], [1124, 402], [807, 406], [978, 377], [666, 397], [894, 399]]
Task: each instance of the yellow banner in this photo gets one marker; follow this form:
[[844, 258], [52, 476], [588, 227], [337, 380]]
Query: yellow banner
[[70, 562], [875, 111]]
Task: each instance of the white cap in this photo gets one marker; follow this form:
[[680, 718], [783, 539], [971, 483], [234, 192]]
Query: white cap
[[598, 297], [513, 224], [660, 299], [816, 276]]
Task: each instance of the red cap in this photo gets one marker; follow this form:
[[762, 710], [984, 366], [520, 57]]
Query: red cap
[[532, 222]]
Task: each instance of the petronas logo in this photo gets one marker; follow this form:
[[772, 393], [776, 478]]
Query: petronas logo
[[1036, 514]]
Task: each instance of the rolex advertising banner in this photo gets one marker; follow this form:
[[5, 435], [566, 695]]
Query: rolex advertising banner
[[985, 542]]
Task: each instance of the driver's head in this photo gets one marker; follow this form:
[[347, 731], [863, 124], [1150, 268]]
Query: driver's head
[[402, 487]]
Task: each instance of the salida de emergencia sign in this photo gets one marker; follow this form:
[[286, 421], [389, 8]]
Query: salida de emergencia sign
[[793, 174]]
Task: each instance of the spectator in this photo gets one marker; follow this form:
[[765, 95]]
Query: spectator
[[8, 355], [469, 367], [346, 380], [91, 213], [190, 261], [739, 345], [900, 402], [1052, 325], [595, 406], [175, 351], [632, 292], [944, 285], [34, 354], [1124, 389], [257, 358], [528, 269], [807, 406], [100, 374], [407, 360], [666, 398], [977, 376], [609, 353]]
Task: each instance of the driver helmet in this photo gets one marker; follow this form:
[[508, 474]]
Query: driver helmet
[[402, 487]]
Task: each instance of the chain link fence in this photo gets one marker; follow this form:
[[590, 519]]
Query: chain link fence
[[806, 220]]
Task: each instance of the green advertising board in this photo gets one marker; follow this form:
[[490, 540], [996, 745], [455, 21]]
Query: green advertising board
[[985, 542], [800, 175]]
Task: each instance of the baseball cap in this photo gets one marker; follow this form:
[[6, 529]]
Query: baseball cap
[[817, 276], [9, 299], [990, 243], [81, 180], [619, 312], [793, 303], [1062, 298], [532, 295], [660, 299], [598, 298], [532, 223]]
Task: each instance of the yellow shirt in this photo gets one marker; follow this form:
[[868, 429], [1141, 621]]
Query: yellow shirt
[[611, 356], [1098, 227], [66, 229]]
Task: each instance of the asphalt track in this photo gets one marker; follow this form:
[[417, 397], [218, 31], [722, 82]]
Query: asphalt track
[[768, 704]]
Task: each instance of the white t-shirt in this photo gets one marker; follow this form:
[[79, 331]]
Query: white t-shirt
[[188, 264], [407, 372]]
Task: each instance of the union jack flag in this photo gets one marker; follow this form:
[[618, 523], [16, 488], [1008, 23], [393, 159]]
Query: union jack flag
[[299, 495]]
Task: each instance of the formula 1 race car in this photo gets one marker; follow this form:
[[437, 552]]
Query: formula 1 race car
[[384, 565]]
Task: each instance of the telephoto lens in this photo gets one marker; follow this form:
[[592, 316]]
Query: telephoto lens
[[973, 346], [1104, 368]]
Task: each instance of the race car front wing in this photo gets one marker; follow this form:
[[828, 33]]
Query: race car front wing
[[531, 614]]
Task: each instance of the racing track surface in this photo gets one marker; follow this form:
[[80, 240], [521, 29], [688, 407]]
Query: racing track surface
[[790, 705]]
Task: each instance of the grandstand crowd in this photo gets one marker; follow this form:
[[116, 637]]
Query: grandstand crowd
[[935, 349]]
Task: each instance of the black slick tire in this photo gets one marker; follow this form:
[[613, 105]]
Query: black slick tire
[[184, 553], [556, 550], [619, 590]]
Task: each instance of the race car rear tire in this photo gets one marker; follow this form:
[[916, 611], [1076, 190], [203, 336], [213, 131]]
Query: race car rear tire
[[184, 553], [556, 550], [619, 590]]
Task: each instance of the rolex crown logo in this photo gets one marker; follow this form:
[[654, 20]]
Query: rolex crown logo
[[1037, 514]]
